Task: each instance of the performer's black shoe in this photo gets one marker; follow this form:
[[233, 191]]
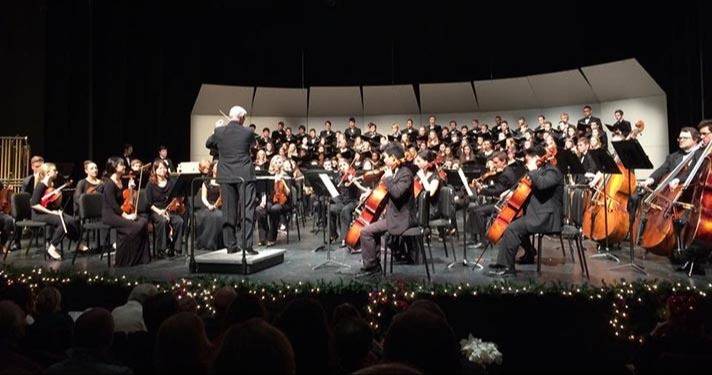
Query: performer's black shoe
[[506, 272], [232, 250], [527, 259], [370, 270], [480, 245], [170, 253], [251, 251], [496, 266]]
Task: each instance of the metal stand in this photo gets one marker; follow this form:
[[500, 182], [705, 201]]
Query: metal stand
[[631, 220], [324, 227], [328, 262]]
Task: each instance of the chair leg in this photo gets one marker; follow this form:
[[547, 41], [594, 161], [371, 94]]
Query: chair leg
[[430, 251], [563, 249], [421, 248], [385, 254], [296, 222], [76, 251], [538, 251], [582, 251]]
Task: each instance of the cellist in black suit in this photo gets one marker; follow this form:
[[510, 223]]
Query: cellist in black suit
[[400, 212], [543, 213], [233, 143]]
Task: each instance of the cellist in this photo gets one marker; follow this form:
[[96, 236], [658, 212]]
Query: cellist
[[687, 140], [543, 213], [400, 210], [695, 255]]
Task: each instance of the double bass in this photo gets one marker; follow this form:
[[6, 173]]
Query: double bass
[[512, 207], [609, 223]]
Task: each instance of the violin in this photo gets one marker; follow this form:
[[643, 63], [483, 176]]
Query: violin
[[5, 196], [176, 206], [280, 192], [130, 200], [52, 196]]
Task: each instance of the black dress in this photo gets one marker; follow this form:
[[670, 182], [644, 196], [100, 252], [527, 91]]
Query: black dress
[[132, 247], [210, 223], [158, 196]]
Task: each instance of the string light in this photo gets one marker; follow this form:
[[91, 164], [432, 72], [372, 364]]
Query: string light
[[628, 300]]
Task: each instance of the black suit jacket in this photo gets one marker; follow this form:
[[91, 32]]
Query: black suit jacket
[[671, 161], [28, 184], [544, 213], [589, 165], [233, 142], [504, 181], [352, 133], [623, 126], [400, 212]]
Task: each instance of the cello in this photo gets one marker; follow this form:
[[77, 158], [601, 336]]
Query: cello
[[613, 224], [699, 224], [653, 228], [512, 207]]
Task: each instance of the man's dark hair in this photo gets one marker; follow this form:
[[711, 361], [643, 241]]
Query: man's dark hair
[[395, 150], [587, 107], [618, 111], [351, 119], [706, 123]]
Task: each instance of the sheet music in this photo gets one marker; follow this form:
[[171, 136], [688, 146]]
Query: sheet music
[[464, 182], [329, 185]]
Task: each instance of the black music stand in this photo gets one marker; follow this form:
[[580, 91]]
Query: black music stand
[[314, 179], [633, 157], [606, 165], [454, 179], [569, 164]]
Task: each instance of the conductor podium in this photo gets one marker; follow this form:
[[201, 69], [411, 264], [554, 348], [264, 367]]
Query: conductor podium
[[220, 261]]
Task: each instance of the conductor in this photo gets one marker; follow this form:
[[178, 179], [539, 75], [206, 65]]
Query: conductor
[[232, 143]]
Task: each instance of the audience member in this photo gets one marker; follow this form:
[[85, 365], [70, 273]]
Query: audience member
[[93, 336], [255, 347], [129, 316], [182, 346]]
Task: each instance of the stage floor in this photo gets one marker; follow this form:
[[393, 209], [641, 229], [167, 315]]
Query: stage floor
[[299, 261]]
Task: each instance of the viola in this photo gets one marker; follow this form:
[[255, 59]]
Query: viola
[[130, 200], [52, 196]]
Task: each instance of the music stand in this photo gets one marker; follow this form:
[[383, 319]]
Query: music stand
[[606, 165], [569, 164], [314, 177], [633, 157], [455, 180]]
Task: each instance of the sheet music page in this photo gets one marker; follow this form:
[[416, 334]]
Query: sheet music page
[[329, 185], [464, 182]]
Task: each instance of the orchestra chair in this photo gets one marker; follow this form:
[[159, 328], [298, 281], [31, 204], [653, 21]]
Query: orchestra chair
[[413, 238], [21, 211], [292, 211], [143, 211], [443, 225], [90, 206], [573, 235]]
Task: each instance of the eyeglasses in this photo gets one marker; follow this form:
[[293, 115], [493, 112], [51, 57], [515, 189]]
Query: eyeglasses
[[685, 137], [705, 133]]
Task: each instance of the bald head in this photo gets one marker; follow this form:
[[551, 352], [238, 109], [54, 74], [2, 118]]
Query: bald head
[[238, 113]]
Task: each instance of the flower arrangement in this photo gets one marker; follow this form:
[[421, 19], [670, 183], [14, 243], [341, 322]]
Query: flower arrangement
[[481, 352]]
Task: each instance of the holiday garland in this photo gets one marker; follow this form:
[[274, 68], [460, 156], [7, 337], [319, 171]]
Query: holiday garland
[[629, 302]]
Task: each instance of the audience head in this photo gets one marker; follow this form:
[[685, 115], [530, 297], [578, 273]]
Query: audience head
[[353, 340], [182, 346], [391, 368], [243, 308], [424, 340], [304, 323], [94, 330], [12, 321], [140, 293], [49, 300], [158, 308], [21, 295], [255, 347], [345, 311], [222, 299]]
